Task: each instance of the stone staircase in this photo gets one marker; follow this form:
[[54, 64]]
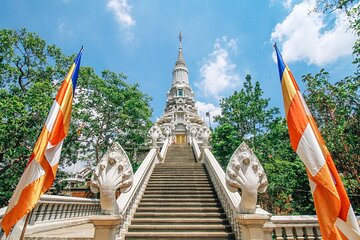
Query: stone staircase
[[179, 202]]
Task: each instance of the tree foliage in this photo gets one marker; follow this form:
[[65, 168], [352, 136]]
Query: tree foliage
[[246, 116], [106, 108], [335, 108]]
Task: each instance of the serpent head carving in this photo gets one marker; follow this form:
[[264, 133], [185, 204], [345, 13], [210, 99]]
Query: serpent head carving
[[114, 172], [245, 172]]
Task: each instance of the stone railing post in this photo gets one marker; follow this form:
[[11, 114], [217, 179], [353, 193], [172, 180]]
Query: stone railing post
[[106, 226], [252, 226], [154, 133], [206, 133]]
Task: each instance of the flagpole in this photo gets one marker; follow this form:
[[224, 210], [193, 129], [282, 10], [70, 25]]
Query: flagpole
[[22, 236]]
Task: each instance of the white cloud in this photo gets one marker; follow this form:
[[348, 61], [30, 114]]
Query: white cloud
[[64, 28], [218, 73], [122, 11], [286, 3], [307, 36], [203, 108]]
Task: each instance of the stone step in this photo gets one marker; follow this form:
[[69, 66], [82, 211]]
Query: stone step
[[199, 168], [176, 166], [188, 172], [180, 204], [165, 170], [180, 195], [183, 177], [176, 221], [179, 200], [182, 162], [182, 181], [179, 169], [180, 209], [162, 188], [183, 189], [178, 192], [189, 165], [180, 228], [179, 174], [182, 185], [179, 235], [184, 158], [179, 215]]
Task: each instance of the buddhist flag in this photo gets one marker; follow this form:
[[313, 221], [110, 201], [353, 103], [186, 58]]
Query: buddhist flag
[[40, 171], [335, 214]]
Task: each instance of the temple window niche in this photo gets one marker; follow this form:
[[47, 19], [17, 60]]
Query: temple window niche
[[180, 92]]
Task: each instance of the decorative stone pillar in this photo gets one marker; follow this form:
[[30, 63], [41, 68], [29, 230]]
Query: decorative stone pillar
[[167, 132], [245, 174], [206, 133], [105, 226], [155, 133], [252, 226]]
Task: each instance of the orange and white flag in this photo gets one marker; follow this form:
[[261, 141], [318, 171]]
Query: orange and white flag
[[335, 214], [40, 171]]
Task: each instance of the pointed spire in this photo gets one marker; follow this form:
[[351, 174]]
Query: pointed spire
[[180, 39], [180, 61], [180, 71]]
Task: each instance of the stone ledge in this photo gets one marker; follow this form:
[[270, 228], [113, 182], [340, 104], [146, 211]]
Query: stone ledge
[[56, 224]]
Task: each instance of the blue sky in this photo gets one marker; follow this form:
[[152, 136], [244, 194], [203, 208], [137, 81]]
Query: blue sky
[[222, 41]]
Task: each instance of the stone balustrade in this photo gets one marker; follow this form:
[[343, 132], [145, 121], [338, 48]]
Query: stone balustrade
[[230, 201], [53, 208], [295, 227], [128, 202], [258, 225], [164, 148], [196, 149]]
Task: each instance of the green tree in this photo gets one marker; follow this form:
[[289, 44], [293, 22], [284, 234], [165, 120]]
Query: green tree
[[288, 190], [335, 108], [244, 115], [247, 113], [26, 91], [105, 109]]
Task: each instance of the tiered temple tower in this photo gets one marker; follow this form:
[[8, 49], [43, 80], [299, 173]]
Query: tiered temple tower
[[180, 118]]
